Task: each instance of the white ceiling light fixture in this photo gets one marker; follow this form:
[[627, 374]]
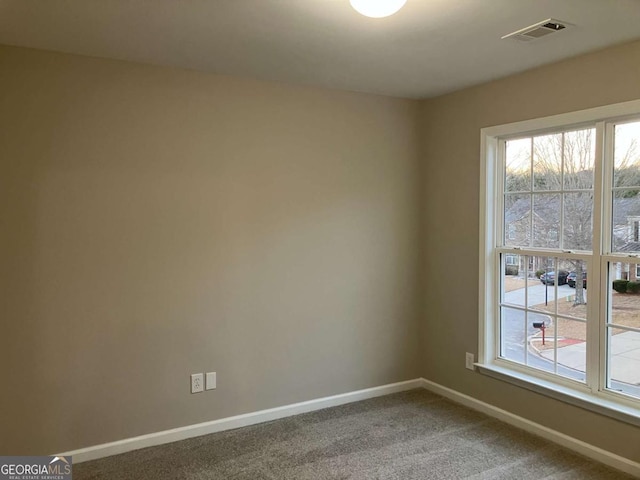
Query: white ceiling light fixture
[[377, 8]]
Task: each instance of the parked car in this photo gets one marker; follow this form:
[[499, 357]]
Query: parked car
[[571, 279], [549, 278]]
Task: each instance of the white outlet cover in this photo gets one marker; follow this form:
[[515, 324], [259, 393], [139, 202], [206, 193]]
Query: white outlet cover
[[197, 383], [211, 380], [469, 361]]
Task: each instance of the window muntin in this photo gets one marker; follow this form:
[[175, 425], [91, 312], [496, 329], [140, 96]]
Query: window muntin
[[540, 175]]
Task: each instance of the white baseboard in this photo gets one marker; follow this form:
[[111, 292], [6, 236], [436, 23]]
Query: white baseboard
[[190, 431], [181, 433], [583, 448]]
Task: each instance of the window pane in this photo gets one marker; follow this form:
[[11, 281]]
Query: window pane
[[540, 340], [571, 292], [626, 221], [518, 163], [574, 295], [624, 294], [623, 355], [578, 226], [547, 162], [627, 155], [512, 334], [517, 220], [571, 348], [513, 276], [579, 159], [540, 287], [546, 220]]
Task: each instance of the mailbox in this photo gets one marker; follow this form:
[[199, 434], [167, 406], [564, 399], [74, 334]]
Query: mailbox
[[542, 327]]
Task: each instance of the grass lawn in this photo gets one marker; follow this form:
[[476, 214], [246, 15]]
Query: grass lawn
[[513, 283]]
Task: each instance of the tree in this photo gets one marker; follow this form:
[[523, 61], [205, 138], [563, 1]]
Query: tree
[[555, 175], [564, 162]]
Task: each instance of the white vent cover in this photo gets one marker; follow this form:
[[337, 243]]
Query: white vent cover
[[538, 30]]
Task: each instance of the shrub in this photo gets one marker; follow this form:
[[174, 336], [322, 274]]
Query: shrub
[[511, 270], [539, 273], [620, 286], [633, 287]]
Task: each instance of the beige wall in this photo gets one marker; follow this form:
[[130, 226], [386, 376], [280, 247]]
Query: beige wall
[[451, 141], [158, 222]]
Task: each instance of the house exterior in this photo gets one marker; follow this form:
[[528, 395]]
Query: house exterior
[[545, 224]]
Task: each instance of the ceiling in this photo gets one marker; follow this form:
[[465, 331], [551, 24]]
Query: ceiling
[[428, 48]]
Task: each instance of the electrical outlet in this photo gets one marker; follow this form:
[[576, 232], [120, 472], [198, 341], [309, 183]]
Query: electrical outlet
[[197, 383], [469, 361], [211, 380]]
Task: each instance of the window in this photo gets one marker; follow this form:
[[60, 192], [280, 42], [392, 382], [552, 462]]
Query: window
[[564, 193], [515, 260]]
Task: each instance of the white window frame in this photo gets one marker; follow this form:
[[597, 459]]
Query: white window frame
[[592, 395]]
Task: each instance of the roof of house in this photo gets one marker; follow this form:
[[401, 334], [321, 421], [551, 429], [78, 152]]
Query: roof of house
[[548, 206]]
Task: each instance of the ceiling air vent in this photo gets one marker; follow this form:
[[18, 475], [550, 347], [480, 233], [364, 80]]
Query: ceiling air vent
[[538, 30]]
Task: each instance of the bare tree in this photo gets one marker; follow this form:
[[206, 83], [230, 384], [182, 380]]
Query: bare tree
[[564, 163], [561, 193], [626, 172]]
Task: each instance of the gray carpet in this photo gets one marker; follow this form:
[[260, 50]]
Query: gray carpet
[[410, 435]]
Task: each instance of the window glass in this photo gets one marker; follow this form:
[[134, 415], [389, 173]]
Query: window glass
[[547, 162], [517, 219], [579, 159], [578, 221], [546, 220], [543, 315], [626, 155], [518, 166], [625, 225]]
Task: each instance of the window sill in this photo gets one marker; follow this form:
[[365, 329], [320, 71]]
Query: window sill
[[588, 401]]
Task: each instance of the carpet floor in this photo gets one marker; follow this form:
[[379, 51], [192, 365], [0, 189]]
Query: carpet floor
[[404, 436]]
